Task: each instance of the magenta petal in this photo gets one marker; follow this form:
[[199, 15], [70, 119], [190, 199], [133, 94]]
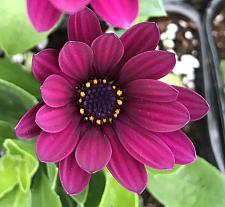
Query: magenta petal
[[43, 15], [158, 117], [27, 127], [151, 90], [69, 6], [119, 13], [74, 180], [54, 120], [140, 38], [196, 104], [56, 91], [45, 63], [75, 60], [56, 147], [148, 65], [128, 172], [84, 26], [144, 146], [93, 151], [108, 50], [180, 145]]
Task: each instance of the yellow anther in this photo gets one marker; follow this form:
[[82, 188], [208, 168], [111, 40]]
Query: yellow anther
[[104, 81], [86, 118], [95, 81], [119, 93], [98, 121], [117, 111], [82, 94], [115, 115], [88, 84], [104, 120], [114, 87], [119, 102], [81, 111], [110, 120], [91, 118], [80, 100]]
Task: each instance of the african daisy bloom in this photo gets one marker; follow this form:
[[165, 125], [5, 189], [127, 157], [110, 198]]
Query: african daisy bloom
[[45, 14], [103, 106]]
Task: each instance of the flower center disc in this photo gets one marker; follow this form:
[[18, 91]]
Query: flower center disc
[[99, 101]]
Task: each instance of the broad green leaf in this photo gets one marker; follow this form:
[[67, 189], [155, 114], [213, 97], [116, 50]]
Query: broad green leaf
[[222, 65], [6, 130], [17, 34], [116, 196], [82, 197], [14, 102], [27, 164], [42, 193], [8, 174], [172, 79], [52, 172], [199, 184], [16, 198], [96, 190], [151, 8], [15, 74]]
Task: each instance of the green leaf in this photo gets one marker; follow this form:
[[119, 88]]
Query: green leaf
[[172, 79], [17, 34], [199, 184], [14, 102], [42, 193], [116, 196], [52, 172], [15, 74], [6, 130], [8, 174], [151, 8], [82, 197], [222, 65], [16, 198], [27, 163], [96, 190]]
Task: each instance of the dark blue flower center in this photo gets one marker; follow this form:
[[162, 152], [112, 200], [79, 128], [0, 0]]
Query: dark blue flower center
[[99, 101]]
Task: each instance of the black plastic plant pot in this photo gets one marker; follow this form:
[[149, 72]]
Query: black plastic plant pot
[[214, 54], [206, 134]]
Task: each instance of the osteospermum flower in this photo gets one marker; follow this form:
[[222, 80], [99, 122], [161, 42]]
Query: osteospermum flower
[[45, 13], [103, 106]]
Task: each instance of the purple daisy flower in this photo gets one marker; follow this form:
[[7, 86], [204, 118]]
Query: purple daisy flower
[[103, 106], [45, 13]]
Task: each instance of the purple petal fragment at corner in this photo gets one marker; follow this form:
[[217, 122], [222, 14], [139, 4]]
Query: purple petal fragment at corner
[[75, 60], [74, 180], [84, 26], [121, 163], [93, 151], [56, 147], [196, 104], [69, 6], [148, 65], [119, 13], [42, 14], [144, 146], [27, 128], [45, 63], [181, 146], [56, 91]]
